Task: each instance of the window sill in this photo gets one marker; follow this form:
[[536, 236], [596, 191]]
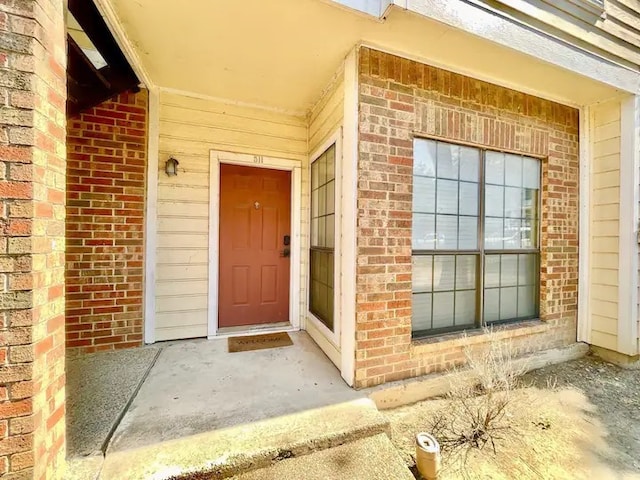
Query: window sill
[[477, 335]]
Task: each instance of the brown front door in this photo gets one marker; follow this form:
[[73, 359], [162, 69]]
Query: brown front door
[[255, 222]]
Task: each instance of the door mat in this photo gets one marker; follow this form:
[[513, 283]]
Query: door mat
[[259, 342]]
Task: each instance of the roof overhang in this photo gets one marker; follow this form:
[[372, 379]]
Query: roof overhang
[[282, 53]]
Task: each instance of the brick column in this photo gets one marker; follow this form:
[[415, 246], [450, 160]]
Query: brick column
[[32, 195]]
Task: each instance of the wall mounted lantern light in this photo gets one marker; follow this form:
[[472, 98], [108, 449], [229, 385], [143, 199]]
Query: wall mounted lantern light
[[171, 167]]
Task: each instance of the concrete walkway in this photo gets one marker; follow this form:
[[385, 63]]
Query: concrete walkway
[[191, 387], [236, 450], [197, 386], [99, 388]]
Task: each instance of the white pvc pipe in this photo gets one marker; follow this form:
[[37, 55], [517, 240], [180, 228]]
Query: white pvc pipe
[[427, 456]]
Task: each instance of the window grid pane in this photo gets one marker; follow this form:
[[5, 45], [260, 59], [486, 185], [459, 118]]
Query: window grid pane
[[444, 291], [445, 183], [321, 291], [511, 204], [510, 290], [321, 277], [323, 200], [449, 190]]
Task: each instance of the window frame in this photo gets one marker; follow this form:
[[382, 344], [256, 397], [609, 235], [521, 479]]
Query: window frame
[[335, 139], [481, 253]]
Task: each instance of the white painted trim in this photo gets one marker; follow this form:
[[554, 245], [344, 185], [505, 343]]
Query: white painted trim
[[349, 218], [325, 345], [216, 158], [227, 101], [214, 244], [151, 218], [333, 337], [119, 34], [295, 279], [495, 26], [628, 246], [584, 234]]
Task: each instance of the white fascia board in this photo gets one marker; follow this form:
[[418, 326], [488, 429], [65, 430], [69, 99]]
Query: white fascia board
[[497, 27], [119, 34], [375, 8]]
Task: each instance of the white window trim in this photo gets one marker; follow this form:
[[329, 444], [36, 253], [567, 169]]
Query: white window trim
[[219, 157], [332, 336], [348, 222]]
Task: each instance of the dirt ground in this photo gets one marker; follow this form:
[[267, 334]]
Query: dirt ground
[[577, 420]]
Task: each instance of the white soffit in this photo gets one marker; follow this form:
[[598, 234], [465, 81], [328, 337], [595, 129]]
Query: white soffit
[[282, 53]]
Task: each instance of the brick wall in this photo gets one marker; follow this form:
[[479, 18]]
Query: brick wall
[[398, 98], [107, 150], [32, 169]]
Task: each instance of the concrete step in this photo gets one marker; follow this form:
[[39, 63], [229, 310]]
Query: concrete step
[[227, 452], [371, 458]]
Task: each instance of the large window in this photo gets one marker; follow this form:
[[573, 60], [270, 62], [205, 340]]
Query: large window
[[475, 237], [323, 202]]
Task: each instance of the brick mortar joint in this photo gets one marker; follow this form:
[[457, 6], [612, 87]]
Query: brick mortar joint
[[385, 160]]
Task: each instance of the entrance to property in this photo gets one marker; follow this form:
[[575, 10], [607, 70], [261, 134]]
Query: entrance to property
[[255, 246]]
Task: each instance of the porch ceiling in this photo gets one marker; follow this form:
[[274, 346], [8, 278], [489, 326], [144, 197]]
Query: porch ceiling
[[282, 53]]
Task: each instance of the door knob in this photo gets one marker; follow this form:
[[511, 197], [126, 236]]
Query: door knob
[[286, 252]]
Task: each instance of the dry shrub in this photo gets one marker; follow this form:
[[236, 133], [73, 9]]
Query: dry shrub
[[479, 395]]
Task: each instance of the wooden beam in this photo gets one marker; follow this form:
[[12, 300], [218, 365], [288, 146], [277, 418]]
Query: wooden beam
[[81, 68], [87, 85], [89, 18]]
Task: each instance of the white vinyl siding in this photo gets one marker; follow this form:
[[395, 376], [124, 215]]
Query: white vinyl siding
[[327, 115], [605, 213], [610, 28], [189, 129]]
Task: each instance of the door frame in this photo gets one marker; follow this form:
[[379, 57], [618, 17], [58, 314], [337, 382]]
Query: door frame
[[218, 157]]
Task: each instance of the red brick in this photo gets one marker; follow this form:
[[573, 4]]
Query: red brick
[[400, 91], [15, 190], [105, 198]]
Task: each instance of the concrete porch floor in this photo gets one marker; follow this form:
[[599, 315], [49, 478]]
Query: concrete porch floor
[[192, 387]]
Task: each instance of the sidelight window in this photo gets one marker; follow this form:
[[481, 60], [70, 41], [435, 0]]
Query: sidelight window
[[322, 262]]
